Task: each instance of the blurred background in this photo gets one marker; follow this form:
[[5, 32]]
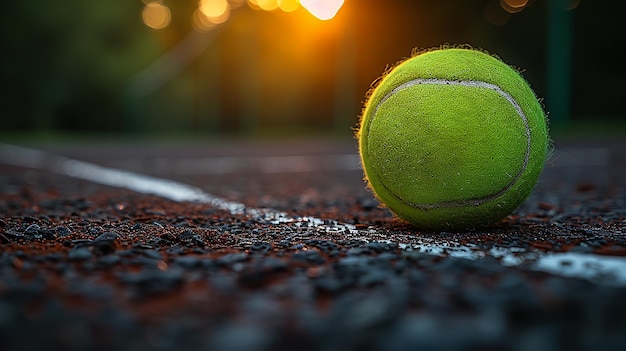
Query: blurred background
[[283, 67]]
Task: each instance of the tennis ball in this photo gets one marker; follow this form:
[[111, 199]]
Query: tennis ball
[[452, 138]]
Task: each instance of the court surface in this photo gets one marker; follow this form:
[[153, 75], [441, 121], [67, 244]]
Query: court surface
[[278, 245]]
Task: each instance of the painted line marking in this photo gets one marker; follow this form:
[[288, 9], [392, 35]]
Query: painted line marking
[[598, 269]]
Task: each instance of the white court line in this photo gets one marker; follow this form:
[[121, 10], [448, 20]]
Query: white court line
[[599, 269], [169, 189], [585, 266]]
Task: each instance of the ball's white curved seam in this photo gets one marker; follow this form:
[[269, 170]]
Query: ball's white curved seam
[[471, 84]]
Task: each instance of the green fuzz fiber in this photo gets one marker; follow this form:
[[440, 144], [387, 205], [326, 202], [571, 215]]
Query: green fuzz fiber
[[452, 139]]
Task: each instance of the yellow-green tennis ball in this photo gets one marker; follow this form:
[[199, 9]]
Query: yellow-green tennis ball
[[452, 138]]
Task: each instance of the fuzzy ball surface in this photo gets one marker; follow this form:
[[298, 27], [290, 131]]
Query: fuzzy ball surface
[[452, 138]]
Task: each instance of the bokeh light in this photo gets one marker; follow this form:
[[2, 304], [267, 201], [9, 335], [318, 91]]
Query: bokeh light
[[236, 3], [267, 5], [253, 4], [201, 22], [322, 9], [288, 5], [215, 10], [513, 6], [248, 65], [156, 15]]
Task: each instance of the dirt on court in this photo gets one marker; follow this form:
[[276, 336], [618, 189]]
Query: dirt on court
[[85, 266]]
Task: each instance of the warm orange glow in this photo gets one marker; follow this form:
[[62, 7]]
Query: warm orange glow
[[221, 19], [288, 5], [200, 22], [516, 3], [322, 9], [156, 15], [513, 6], [214, 9], [236, 3], [267, 5]]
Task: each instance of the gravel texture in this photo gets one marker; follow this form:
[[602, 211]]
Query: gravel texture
[[84, 266]]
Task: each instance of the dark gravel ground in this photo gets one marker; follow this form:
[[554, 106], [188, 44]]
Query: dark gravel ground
[[84, 266]]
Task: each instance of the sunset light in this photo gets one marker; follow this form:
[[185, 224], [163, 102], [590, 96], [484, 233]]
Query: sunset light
[[288, 5], [322, 9], [267, 5], [215, 10], [513, 6]]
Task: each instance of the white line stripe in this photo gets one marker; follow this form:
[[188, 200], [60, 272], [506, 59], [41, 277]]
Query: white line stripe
[[143, 184], [598, 269], [24, 157], [169, 189], [602, 269]]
